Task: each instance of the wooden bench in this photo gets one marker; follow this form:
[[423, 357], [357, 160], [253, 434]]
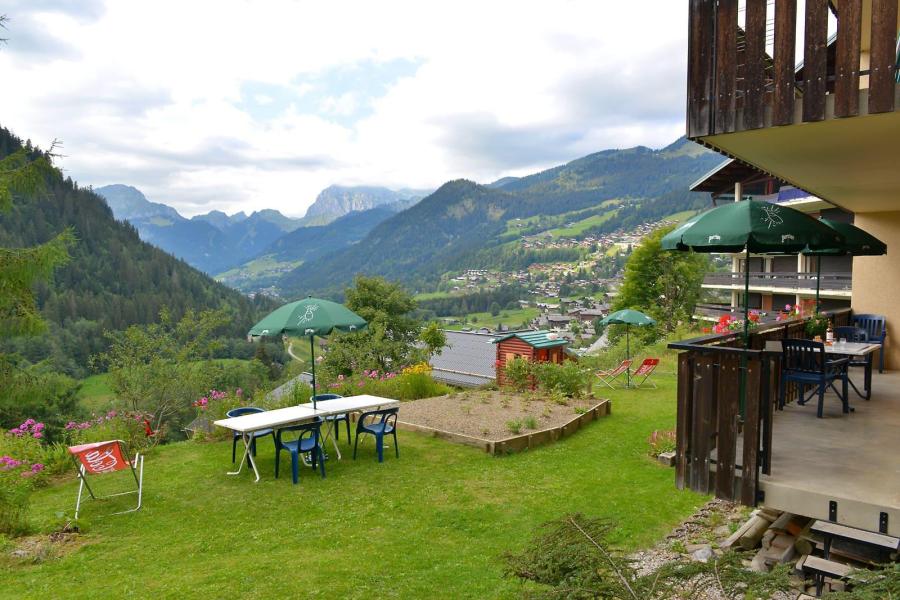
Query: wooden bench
[[820, 568], [829, 531]]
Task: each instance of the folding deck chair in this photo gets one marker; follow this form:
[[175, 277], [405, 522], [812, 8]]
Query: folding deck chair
[[608, 377], [645, 371], [106, 457]]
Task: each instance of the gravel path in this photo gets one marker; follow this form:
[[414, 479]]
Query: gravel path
[[489, 414]]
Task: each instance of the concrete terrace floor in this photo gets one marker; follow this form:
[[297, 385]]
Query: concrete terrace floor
[[850, 459]]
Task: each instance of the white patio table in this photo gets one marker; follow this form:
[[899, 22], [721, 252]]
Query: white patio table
[[337, 406], [294, 415]]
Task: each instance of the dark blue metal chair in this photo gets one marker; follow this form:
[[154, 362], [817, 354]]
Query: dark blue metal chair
[[309, 441], [857, 335], [876, 328], [384, 422], [804, 362], [246, 410], [334, 419]]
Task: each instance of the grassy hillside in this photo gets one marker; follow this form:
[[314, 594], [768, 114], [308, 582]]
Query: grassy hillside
[[438, 518]]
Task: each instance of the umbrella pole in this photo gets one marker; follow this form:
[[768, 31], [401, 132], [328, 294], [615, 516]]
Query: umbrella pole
[[312, 354], [818, 280], [743, 380], [747, 299], [627, 356]]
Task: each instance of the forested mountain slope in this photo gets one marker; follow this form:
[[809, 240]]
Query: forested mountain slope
[[113, 280]]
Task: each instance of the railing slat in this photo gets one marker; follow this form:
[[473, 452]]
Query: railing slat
[[754, 65], [702, 420], [701, 74], [883, 58], [785, 36], [683, 420], [750, 462], [726, 65], [815, 60], [726, 427], [849, 33]]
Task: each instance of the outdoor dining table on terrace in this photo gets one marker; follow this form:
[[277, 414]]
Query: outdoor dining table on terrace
[[293, 415], [855, 349]]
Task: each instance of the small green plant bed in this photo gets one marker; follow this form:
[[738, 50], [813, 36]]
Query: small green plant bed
[[213, 536]]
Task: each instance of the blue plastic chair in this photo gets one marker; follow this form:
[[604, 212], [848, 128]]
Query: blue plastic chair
[[876, 328], [384, 422], [309, 441], [246, 410], [804, 362], [334, 419]]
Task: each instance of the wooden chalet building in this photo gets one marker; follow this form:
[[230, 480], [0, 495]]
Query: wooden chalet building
[[806, 93], [536, 346]]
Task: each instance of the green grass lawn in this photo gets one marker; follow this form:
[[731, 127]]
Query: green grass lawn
[[511, 318], [95, 393], [579, 227], [434, 523]]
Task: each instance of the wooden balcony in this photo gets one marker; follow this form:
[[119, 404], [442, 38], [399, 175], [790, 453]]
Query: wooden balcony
[[828, 126], [831, 283], [712, 425]]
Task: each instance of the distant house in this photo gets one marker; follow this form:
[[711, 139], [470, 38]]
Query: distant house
[[536, 346], [467, 360], [559, 320], [589, 314]]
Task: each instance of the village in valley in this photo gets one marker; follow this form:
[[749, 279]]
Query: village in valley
[[567, 298]]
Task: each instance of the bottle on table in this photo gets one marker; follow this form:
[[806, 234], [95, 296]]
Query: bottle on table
[[829, 334]]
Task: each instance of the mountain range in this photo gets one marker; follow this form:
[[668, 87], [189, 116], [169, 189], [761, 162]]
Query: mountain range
[[337, 200], [463, 224], [216, 242]]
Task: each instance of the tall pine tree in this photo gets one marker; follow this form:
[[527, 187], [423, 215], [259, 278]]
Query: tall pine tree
[[22, 175]]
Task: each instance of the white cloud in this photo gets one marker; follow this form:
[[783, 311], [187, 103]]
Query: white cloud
[[240, 105]]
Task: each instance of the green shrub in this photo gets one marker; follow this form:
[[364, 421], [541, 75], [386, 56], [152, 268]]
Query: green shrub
[[517, 373], [21, 469], [49, 398], [661, 441], [128, 426], [567, 378], [514, 427], [412, 383], [530, 423]]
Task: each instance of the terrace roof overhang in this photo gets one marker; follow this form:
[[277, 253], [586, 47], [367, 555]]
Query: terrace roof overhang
[[851, 162], [722, 178]]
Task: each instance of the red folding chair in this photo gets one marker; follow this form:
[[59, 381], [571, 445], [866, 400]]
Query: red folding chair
[[644, 371], [608, 377], [106, 457]]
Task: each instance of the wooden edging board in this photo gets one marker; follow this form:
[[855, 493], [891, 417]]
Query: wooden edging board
[[516, 443]]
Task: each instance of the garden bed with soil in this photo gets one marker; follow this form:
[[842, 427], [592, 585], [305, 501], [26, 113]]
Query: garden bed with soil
[[500, 421]]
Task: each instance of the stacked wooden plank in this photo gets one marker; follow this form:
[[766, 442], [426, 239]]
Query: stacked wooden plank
[[827, 552]]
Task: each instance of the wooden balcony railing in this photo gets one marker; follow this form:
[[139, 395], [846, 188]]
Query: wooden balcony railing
[[711, 427], [734, 85], [830, 281]]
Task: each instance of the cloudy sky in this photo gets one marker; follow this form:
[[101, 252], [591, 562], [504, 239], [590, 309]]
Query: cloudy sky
[[246, 105]]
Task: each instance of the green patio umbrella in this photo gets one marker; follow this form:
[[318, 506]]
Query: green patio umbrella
[[309, 317], [752, 226], [628, 318], [856, 243]]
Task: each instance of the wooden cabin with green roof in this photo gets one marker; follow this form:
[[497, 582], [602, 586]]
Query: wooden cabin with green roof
[[536, 346]]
